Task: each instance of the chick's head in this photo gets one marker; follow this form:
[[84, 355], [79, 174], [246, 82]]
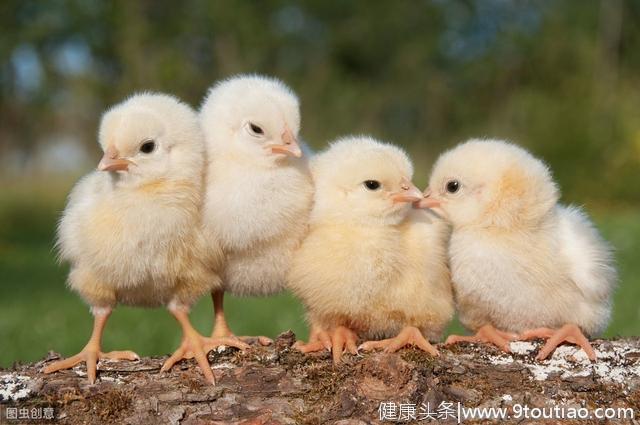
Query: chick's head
[[252, 117], [490, 182], [150, 137], [360, 179]]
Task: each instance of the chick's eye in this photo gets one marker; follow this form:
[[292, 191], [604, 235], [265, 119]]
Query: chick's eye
[[372, 184], [453, 186], [256, 129], [148, 146]]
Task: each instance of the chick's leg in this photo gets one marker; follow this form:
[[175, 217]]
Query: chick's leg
[[91, 353], [221, 328], [195, 345], [409, 335], [486, 334], [338, 340], [568, 333]]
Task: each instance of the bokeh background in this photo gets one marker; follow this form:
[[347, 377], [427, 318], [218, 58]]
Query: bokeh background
[[559, 77]]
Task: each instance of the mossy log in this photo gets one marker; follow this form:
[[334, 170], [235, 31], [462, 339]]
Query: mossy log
[[278, 385]]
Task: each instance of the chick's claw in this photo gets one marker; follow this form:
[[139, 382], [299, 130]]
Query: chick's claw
[[407, 336], [120, 355], [321, 336], [185, 351], [568, 333], [319, 339], [337, 341], [91, 356], [262, 340], [195, 345], [214, 343], [244, 341], [241, 341], [310, 347], [342, 339], [488, 335], [543, 333]]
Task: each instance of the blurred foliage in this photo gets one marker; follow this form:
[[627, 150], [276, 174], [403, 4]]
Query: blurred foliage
[[560, 77]]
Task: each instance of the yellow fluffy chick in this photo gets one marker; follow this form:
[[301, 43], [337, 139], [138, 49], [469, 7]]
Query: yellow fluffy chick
[[131, 229], [520, 262], [371, 265], [258, 190]]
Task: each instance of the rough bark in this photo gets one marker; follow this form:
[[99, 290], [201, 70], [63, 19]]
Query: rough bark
[[276, 384]]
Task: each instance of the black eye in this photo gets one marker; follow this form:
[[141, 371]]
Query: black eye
[[148, 147], [256, 129], [453, 186], [372, 184]]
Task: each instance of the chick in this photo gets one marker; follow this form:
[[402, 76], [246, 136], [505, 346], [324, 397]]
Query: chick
[[520, 262], [371, 265], [132, 229], [258, 190]]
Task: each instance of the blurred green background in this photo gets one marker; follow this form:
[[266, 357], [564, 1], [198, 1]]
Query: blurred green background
[[559, 77]]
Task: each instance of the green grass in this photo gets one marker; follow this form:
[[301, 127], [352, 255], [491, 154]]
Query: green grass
[[622, 229], [37, 312]]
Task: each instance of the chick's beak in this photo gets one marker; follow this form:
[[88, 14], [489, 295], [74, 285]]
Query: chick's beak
[[428, 201], [408, 192], [289, 145], [111, 161]]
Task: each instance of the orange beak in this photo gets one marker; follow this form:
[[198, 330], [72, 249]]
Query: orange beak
[[427, 201], [408, 192], [289, 145], [111, 161]]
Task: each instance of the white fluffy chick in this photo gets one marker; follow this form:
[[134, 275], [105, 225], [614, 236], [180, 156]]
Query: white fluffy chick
[[520, 262], [131, 229], [258, 190], [371, 265]]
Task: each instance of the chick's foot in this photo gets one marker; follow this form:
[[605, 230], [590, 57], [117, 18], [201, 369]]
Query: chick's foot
[[225, 332], [91, 353], [195, 345], [221, 329], [568, 333], [318, 339], [486, 334], [409, 335], [337, 340]]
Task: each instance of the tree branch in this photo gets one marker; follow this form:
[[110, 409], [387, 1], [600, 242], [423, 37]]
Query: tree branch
[[273, 385]]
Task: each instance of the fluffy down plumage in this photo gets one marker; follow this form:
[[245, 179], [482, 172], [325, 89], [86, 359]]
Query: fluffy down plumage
[[519, 260], [369, 263], [132, 230], [257, 199], [134, 238]]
